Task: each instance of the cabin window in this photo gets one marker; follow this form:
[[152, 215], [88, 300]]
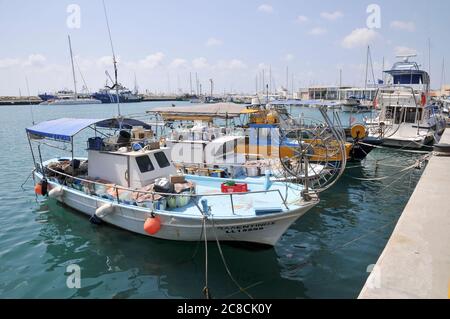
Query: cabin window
[[162, 160], [408, 79], [145, 164]]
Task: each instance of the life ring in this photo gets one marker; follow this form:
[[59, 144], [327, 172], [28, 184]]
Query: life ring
[[358, 131]]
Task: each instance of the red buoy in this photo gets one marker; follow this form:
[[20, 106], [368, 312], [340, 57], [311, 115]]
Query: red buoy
[[152, 225], [38, 189]]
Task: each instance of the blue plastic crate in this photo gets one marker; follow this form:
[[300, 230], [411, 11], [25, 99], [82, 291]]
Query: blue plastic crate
[[95, 143]]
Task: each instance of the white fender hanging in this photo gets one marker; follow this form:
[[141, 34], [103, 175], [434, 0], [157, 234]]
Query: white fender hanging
[[104, 210], [56, 192]]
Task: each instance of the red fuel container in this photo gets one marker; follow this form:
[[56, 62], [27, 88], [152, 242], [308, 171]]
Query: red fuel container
[[237, 188]]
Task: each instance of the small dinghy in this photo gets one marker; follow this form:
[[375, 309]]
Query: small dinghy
[[129, 181]]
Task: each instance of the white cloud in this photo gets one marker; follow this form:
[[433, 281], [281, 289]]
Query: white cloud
[[263, 66], [318, 31], [9, 62], [331, 16], [200, 63], [402, 50], [359, 37], [301, 19], [151, 61], [403, 25], [233, 64], [267, 8], [289, 57], [105, 61], [213, 42], [35, 60], [177, 63]]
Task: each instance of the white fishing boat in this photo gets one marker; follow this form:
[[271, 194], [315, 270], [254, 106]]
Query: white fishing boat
[[406, 118], [234, 140], [130, 182]]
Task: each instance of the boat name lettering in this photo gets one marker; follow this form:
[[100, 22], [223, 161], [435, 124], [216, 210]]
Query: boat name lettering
[[245, 228]]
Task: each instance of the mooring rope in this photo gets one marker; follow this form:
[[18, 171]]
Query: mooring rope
[[206, 288], [225, 263]]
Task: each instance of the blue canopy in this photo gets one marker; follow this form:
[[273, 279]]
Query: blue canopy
[[65, 128]]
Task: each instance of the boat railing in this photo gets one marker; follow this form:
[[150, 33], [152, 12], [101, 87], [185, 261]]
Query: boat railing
[[118, 188]]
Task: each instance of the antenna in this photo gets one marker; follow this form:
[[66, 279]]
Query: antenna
[[114, 59], [429, 57]]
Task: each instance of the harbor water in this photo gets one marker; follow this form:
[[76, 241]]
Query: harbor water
[[325, 254]]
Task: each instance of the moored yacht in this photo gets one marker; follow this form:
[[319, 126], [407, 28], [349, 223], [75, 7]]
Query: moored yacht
[[406, 119]]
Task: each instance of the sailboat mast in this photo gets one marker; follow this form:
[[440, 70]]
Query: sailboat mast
[[116, 84], [73, 69], [367, 68]]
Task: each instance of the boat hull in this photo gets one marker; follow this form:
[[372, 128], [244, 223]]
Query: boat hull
[[265, 230]]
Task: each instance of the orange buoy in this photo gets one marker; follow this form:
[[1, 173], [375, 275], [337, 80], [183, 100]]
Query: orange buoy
[[152, 225], [38, 189]]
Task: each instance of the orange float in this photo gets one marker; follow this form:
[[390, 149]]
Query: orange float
[[38, 189], [152, 225]]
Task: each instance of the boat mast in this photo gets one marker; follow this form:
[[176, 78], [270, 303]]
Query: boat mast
[[443, 76], [116, 85], [367, 68], [73, 69], [29, 101]]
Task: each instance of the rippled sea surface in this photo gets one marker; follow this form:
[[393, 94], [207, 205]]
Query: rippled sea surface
[[325, 254]]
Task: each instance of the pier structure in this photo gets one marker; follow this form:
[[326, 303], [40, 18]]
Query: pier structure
[[415, 263]]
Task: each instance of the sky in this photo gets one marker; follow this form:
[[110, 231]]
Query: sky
[[160, 42]]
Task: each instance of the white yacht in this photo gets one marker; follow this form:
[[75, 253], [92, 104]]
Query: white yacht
[[406, 117], [71, 99]]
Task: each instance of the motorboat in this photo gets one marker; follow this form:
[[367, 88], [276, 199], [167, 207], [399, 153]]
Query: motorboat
[[128, 180], [353, 105], [406, 119]]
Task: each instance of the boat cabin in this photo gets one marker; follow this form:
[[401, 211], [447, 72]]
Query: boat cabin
[[133, 169]]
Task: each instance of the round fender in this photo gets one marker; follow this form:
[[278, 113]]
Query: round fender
[[104, 210], [56, 192]]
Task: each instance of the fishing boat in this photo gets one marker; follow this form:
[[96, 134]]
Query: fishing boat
[[108, 95], [127, 180], [407, 119], [249, 132]]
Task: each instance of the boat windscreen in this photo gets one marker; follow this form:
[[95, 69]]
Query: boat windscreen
[[408, 79]]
